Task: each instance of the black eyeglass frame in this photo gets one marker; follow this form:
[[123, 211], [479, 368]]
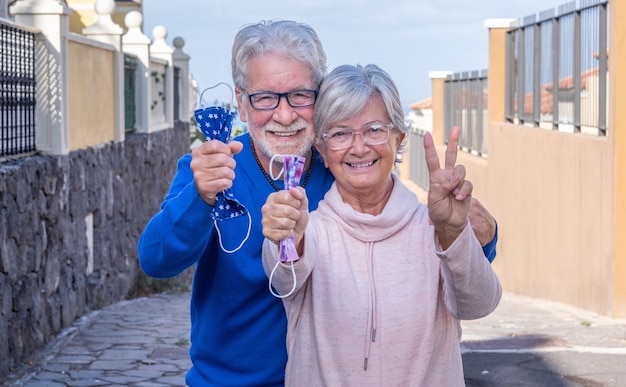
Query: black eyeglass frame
[[281, 95]]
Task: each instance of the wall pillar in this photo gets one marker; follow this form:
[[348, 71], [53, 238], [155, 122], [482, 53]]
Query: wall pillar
[[496, 75], [181, 61], [439, 103], [51, 17], [160, 49], [617, 130], [135, 43]]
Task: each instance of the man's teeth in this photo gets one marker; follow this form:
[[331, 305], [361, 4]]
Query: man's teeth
[[363, 165], [285, 134]]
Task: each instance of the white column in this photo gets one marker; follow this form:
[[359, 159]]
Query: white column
[[181, 60], [134, 42], [160, 49], [51, 17], [106, 31], [4, 9]]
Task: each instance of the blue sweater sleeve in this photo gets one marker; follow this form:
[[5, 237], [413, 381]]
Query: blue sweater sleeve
[[175, 238], [490, 248]]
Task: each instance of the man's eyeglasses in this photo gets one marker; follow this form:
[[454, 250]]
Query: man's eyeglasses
[[372, 134], [267, 100]]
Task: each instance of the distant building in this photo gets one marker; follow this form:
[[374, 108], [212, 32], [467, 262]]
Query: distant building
[[421, 115]]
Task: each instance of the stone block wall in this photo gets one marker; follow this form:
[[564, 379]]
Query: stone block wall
[[69, 227]]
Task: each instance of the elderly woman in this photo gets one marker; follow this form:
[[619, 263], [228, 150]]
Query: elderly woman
[[382, 281]]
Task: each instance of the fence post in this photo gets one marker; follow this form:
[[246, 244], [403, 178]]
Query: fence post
[[51, 17], [134, 42], [438, 101], [160, 49], [496, 73], [181, 61], [106, 31]]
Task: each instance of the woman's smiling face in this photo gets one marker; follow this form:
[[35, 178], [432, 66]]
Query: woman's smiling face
[[361, 168]]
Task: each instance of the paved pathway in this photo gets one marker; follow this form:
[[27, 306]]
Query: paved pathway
[[525, 342], [141, 342]]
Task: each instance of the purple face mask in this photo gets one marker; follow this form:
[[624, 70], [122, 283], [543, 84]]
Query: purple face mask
[[293, 165]]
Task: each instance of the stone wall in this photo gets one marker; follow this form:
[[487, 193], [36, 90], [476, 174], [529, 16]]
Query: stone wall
[[69, 227]]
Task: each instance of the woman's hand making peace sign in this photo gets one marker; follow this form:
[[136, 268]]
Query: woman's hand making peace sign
[[449, 195]]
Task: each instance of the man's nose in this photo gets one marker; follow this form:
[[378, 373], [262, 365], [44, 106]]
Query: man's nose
[[284, 114]]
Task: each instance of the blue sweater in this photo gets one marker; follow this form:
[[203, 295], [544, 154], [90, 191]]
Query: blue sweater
[[238, 327]]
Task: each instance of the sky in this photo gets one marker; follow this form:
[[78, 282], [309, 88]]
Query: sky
[[407, 38]]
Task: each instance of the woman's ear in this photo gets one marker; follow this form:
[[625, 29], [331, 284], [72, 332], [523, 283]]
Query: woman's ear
[[400, 138], [321, 149]]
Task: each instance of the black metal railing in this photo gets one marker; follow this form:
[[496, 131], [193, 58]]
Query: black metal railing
[[557, 69], [176, 94], [466, 102], [17, 91], [418, 170], [130, 92]]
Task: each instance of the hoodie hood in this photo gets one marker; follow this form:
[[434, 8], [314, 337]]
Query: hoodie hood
[[372, 228]]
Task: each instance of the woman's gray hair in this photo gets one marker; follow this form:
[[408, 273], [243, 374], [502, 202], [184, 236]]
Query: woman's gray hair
[[345, 92], [294, 40]]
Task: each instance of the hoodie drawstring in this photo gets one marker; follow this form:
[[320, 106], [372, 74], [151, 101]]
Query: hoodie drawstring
[[372, 310]]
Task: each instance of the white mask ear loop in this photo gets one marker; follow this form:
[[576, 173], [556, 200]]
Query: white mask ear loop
[[282, 169], [219, 236], [293, 272]]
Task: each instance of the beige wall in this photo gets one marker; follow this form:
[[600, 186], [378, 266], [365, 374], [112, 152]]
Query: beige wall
[[552, 195], [91, 95], [559, 198]]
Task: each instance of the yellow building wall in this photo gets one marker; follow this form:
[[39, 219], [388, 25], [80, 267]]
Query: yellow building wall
[[84, 14], [91, 95], [559, 198], [554, 204]]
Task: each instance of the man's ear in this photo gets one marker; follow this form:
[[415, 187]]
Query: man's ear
[[240, 105]]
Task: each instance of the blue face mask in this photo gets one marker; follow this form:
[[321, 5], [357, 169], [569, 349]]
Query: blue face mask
[[215, 122]]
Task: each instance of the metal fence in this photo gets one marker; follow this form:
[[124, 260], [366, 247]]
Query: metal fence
[[466, 106], [557, 69], [176, 94], [418, 170], [130, 92], [17, 91]]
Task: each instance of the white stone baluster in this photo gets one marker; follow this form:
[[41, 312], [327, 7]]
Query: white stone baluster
[[134, 42]]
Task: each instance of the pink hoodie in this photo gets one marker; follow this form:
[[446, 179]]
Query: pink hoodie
[[377, 303]]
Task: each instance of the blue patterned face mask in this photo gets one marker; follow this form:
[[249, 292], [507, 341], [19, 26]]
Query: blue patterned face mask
[[293, 165], [215, 122]]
